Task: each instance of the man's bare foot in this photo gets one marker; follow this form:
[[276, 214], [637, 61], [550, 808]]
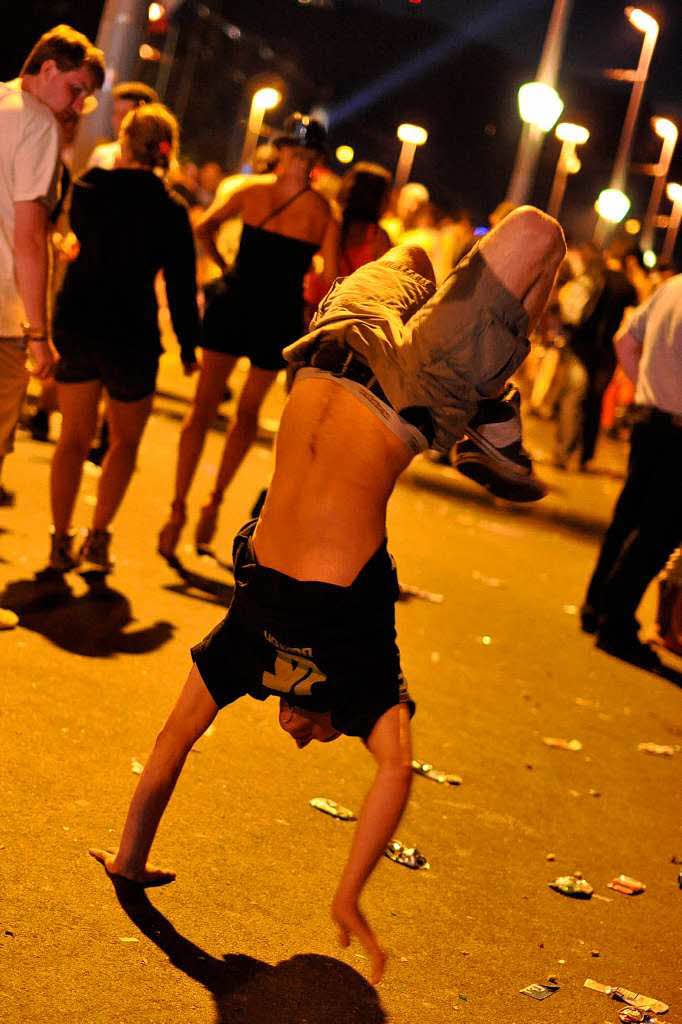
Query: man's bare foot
[[149, 876]]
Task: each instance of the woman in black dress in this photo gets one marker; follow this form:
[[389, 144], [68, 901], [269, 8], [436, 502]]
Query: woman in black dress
[[105, 325], [254, 311]]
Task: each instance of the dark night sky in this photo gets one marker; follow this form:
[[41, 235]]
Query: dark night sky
[[465, 94]]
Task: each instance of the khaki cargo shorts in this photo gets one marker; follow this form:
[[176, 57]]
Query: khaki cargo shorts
[[442, 349], [13, 383]]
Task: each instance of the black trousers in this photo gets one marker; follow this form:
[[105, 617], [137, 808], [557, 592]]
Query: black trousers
[[646, 525]]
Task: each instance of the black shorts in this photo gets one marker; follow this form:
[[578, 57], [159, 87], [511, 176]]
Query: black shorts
[[128, 375], [323, 647], [257, 326]]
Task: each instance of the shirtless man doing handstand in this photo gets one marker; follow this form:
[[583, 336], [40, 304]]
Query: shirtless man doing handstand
[[391, 366]]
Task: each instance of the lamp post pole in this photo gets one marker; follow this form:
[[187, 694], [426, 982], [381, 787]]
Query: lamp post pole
[[649, 26], [668, 132], [263, 99], [121, 29], [570, 136], [411, 136], [674, 194], [530, 143]]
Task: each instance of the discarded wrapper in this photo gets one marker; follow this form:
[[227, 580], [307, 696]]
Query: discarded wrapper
[[632, 1015], [407, 855], [536, 991], [628, 886], [661, 749], [136, 766], [572, 885], [552, 741], [429, 772], [322, 803], [625, 995], [425, 595]]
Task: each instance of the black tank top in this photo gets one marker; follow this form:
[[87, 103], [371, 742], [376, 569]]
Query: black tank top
[[272, 262]]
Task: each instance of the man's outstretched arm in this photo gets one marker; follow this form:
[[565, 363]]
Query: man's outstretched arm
[[390, 744], [193, 713]]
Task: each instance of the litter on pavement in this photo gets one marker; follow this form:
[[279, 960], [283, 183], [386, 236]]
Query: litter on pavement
[[429, 772], [572, 885], [552, 741], [407, 592], [625, 995], [536, 991], [322, 803], [628, 886], [407, 855], [661, 749]]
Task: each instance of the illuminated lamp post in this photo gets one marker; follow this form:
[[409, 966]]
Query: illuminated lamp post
[[674, 194], [263, 99], [345, 154], [570, 136], [647, 25], [411, 136], [533, 97], [667, 131]]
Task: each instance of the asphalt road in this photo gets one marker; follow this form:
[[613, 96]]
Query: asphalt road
[[243, 935]]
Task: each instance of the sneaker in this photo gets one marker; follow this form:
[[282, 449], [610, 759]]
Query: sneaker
[[62, 558], [94, 552], [492, 453]]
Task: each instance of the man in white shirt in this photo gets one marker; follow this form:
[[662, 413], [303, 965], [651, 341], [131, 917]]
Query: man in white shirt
[[62, 69], [647, 520]]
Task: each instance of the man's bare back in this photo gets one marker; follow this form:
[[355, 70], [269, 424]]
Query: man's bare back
[[325, 516]]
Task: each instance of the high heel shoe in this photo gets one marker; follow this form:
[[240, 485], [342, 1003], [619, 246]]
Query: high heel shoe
[[170, 531], [206, 526]]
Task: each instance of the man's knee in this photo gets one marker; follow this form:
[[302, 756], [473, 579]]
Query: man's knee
[[534, 233], [410, 257]]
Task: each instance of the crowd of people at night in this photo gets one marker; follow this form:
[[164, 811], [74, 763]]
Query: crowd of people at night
[[403, 330]]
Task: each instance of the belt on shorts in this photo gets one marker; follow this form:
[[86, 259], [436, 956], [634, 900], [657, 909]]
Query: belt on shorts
[[340, 359]]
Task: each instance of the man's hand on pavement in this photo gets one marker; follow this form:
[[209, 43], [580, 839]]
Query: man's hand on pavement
[[350, 922]]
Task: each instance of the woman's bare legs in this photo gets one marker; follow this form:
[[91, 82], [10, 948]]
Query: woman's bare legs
[[78, 405], [216, 367], [127, 421], [239, 439]]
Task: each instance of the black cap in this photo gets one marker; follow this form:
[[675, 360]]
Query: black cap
[[304, 131]]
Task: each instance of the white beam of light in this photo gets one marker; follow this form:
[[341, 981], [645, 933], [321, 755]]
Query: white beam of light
[[391, 81]]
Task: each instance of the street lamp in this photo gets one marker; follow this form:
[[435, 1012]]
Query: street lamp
[[411, 136], [644, 23], [570, 136], [345, 154], [667, 131], [612, 205], [539, 94], [263, 99], [674, 194]]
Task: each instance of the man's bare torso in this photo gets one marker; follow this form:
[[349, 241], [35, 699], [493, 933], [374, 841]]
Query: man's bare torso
[[336, 465]]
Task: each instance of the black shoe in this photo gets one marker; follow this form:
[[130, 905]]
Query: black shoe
[[93, 556], [493, 455], [6, 498], [589, 619], [39, 425], [630, 649]]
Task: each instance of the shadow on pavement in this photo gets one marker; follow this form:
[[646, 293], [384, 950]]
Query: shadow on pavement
[[568, 519], [199, 586], [311, 988], [92, 624]]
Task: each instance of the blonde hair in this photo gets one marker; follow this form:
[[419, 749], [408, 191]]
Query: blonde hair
[[151, 132]]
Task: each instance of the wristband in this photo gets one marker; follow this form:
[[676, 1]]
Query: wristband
[[32, 334]]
